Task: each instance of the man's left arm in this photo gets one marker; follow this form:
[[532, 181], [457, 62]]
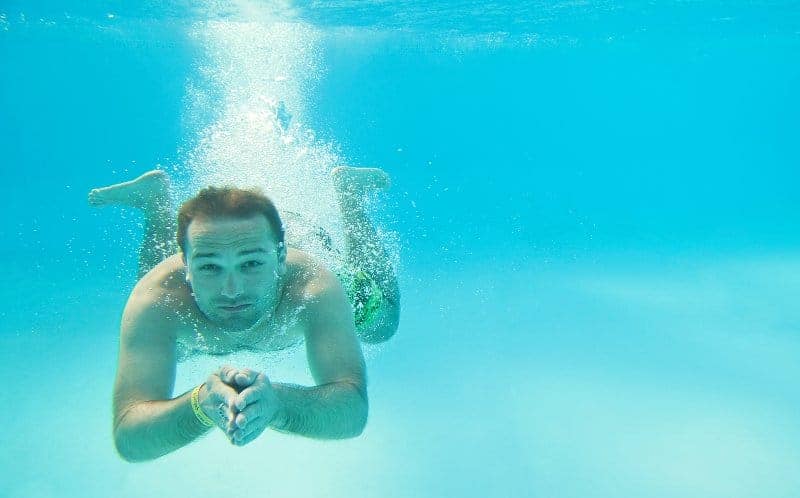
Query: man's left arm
[[336, 407]]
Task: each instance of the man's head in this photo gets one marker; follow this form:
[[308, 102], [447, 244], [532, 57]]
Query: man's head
[[232, 242]]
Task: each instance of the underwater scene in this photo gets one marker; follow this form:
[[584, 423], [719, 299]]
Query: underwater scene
[[575, 272]]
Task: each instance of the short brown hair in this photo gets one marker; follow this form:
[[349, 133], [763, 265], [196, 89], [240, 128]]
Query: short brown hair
[[228, 202]]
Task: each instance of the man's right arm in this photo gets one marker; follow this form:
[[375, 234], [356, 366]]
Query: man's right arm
[[148, 423]]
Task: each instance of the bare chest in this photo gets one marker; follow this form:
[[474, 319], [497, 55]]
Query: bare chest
[[198, 338]]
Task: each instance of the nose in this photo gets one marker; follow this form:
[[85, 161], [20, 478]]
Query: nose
[[232, 287]]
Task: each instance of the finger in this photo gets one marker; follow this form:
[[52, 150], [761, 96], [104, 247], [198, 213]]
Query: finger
[[243, 424], [240, 437], [248, 438], [227, 374], [246, 398], [214, 381], [245, 377], [241, 420], [251, 394], [246, 416], [251, 404]]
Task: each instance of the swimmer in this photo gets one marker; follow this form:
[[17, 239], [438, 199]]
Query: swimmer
[[234, 285]]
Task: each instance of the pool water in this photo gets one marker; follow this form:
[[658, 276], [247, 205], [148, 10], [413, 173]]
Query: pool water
[[593, 214]]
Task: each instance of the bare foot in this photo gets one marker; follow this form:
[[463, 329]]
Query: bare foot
[[145, 192], [359, 180]]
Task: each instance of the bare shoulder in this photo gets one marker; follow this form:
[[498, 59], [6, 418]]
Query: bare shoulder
[[316, 294], [158, 298], [310, 282]]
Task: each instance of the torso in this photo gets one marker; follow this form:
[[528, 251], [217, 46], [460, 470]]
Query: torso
[[195, 335]]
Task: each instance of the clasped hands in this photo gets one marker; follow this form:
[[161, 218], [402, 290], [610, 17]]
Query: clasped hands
[[242, 402]]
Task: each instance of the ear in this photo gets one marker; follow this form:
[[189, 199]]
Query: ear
[[187, 274], [281, 252]]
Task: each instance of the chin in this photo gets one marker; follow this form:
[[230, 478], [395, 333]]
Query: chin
[[236, 324], [233, 322]]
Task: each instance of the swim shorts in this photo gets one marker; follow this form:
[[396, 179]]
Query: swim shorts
[[364, 294]]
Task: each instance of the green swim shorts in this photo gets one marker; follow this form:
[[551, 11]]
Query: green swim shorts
[[364, 294]]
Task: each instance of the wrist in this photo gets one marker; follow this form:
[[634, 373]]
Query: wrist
[[280, 421], [197, 408]]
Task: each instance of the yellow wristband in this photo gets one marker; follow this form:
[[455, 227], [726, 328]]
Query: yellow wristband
[[198, 412]]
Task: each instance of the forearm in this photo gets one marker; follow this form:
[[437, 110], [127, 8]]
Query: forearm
[[150, 429], [331, 411]]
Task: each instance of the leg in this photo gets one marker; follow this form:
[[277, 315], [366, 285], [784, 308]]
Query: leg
[[364, 250], [150, 193]]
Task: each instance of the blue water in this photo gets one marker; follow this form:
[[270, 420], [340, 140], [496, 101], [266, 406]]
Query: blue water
[[596, 211]]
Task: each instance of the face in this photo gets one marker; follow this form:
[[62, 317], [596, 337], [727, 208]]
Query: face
[[234, 267]]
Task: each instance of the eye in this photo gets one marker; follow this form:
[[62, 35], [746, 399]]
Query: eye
[[209, 267], [252, 265]]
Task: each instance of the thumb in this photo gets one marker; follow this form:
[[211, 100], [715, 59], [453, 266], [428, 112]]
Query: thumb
[[245, 378], [226, 374]]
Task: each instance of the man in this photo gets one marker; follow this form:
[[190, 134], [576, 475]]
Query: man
[[236, 285]]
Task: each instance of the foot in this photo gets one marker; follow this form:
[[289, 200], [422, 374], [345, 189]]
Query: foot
[[359, 180], [149, 190]]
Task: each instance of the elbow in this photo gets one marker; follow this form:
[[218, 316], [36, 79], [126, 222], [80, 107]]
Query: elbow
[[360, 427], [123, 443], [128, 457], [355, 428], [359, 424], [361, 414], [353, 419], [124, 448], [364, 416], [120, 439]]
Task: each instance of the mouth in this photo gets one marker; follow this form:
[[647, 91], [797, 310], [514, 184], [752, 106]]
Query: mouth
[[235, 309]]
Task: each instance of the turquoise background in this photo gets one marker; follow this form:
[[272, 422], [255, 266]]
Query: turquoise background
[[597, 209]]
